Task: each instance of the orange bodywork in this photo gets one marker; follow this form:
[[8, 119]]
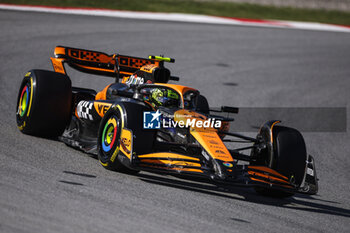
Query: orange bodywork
[[267, 176], [59, 50], [102, 95], [93, 61], [266, 182], [207, 137], [272, 128], [212, 143], [101, 107], [57, 64], [174, 168], [169, 162], [148, 68], [269, 170], [165, 155], [126, 141]]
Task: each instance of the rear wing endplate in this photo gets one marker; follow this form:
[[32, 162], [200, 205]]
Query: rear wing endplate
[[93, 62]]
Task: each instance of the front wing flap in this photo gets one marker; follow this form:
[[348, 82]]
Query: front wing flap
[[261, 176], [166, 162], [171, 162]]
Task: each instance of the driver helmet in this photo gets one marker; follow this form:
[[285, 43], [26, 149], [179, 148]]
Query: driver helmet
[[164, 97]]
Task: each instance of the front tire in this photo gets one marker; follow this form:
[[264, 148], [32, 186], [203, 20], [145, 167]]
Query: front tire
[[109, 139], [202, 105], [121, 116], [288, 158]]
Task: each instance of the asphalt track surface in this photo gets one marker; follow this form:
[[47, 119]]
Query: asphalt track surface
[[46, 186]]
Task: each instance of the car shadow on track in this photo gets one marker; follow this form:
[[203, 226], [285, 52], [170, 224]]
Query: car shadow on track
[[245, 194], [200, 185]]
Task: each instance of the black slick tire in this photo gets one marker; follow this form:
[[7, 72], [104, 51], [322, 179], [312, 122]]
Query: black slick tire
[[202, 105], [289, 158], [119, 116], [44, 103]]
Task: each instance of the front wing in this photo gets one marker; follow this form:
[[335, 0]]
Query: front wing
[[233, 174]]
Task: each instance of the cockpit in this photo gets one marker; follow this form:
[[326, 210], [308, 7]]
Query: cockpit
[[159, 94]]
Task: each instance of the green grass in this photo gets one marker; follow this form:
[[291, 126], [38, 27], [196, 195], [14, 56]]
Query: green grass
[[207, 8]]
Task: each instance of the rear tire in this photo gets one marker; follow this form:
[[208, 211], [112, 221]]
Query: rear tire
[[44, 103], [289, 158]]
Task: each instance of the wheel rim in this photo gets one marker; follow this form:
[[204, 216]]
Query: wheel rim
[[23, 101], [109, 134]]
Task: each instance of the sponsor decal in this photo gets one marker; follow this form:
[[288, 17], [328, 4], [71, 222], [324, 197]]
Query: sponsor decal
[[226, 164], [102, 108], [213, 142], [194, 123], [84, 109], [155, 120], [148, 68], [151, 120], [220, 152], [84, 55], [134, 62], [209, 136], [125, 143], [135, 80], [219, 147]]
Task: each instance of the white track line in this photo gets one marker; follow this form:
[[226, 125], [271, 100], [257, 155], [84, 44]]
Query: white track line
[[177, 17]]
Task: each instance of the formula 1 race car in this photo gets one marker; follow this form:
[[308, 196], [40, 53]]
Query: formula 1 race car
[[140, 122]]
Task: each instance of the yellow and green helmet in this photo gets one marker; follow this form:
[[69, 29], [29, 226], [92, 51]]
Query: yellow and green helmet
[[164, 97]]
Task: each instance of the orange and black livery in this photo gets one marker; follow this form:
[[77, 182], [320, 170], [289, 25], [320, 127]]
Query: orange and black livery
[[141, 122]]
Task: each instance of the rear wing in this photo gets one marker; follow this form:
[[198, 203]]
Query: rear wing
[[93, 62]]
